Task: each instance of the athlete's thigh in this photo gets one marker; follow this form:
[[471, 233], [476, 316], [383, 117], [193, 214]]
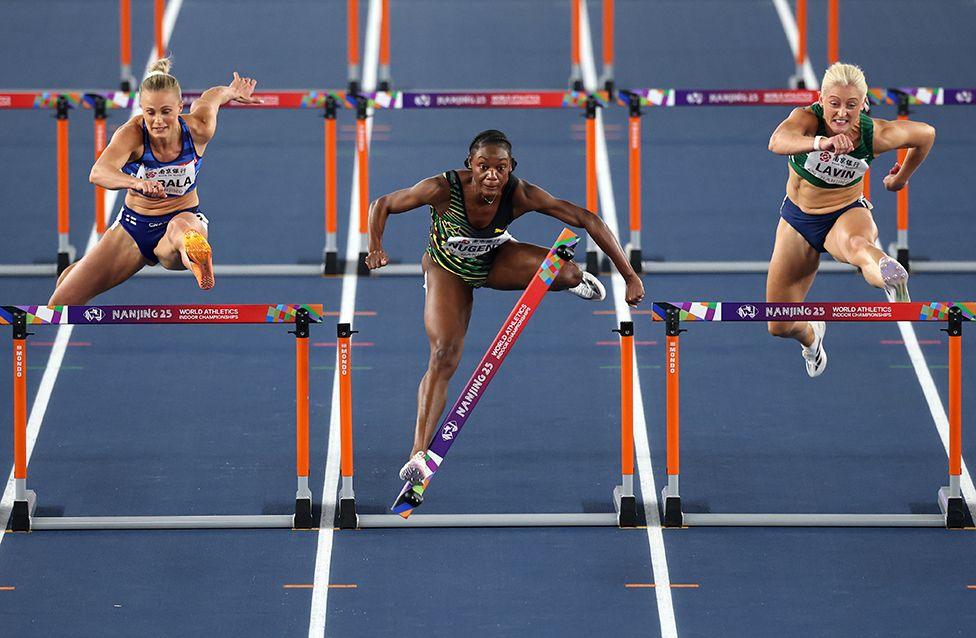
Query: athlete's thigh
[[857, 222], [166, 250], [792, 267], [447, 304], [114, 259], [515, 264]]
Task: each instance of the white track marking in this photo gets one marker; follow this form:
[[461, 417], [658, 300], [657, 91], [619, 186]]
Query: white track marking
[[50, 376], [655, 537], [793, 37], [330, 488]]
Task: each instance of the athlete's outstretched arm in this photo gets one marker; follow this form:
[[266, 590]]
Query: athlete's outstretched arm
[[917, 137], [795, 135], [428, 191], [107, 170], [530, 197], [203, 113]]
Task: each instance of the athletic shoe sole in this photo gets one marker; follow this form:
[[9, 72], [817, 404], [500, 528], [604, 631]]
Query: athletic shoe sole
[[201, 258]]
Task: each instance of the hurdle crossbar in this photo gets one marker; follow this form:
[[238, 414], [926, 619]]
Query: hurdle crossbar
[[22, 517], [954, 513], [624, 500]]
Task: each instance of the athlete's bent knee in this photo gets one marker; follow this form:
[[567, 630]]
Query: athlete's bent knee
[[569, 276], [445, 357], [781, 328]]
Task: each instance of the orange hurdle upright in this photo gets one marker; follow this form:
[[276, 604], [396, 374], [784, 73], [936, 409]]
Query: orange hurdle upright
[[330, 257], [362, 155], [670, 496], [352, 45], [101, 140], [125, 46], [954, 505], [385, 80], [159, 13], [20, 515], [592, 192], [347, 497], [607, 78], [303, 495], [634, 183], [575, 76], [65, 249], [623, 495], [833, 31], [902, 243], [801, 46]]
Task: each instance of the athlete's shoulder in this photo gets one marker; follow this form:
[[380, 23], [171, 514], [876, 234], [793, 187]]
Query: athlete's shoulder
[[130, 133]]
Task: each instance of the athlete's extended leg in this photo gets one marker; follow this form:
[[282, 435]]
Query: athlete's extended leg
[[853, 240], [515, 264], [447, 310], [185, 247], [792, 269], [114, 259]]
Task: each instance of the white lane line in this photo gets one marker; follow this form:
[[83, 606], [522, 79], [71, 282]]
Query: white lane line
[[788, 21], [53, 366], [330, 488], [645, 469]]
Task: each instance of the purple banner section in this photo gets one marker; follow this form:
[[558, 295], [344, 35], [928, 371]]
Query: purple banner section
[[811, 311], [104, 315]]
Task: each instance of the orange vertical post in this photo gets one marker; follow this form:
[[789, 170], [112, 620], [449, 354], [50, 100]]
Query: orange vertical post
[[673, 405], [352, 44], [101, 140], [575, 76], [301, 406], [902, 243], [592, 192], [627, 397], [867, 184], [20, 408], [833, 31], [362, 153], [125, 45], [608, 12], [634, 181], [385, 79], [345, 399], [160, 11], [955, 402], [801, 27], [330, 257], [64, 199]]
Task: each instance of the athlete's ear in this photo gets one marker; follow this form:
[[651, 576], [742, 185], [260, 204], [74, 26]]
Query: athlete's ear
[[514, 163], [467, 162]]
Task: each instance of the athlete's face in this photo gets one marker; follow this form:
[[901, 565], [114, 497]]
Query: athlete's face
[[490, 167], [161, 111], [842, 107]]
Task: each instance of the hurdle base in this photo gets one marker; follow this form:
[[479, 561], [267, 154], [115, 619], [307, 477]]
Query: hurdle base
[[346, 517], [592, 262], [286, 521], [21, 513], [303, 513], [489, 520], [361, 269], [626, 508], [671, 514], [636, 260], [64, 260], [814, 520], [330, 263], [902, 258], [954, 510]]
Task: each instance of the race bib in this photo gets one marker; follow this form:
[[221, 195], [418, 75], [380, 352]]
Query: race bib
[[474, 246], [840, 170], [176, 180]]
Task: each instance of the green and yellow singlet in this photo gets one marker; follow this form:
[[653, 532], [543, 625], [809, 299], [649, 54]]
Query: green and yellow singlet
[[459, 247], [830, 170]]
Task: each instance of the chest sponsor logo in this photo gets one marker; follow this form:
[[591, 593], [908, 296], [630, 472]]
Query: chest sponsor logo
[[474, 246], [176, 180], [839, 170]]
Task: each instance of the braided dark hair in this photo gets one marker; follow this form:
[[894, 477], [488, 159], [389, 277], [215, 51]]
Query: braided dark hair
[[489, 137]]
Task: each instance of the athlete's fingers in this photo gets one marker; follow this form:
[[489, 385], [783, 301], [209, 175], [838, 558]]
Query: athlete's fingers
[[895, 168]]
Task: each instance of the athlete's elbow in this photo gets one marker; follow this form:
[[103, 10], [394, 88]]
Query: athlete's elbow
[[774, 145]]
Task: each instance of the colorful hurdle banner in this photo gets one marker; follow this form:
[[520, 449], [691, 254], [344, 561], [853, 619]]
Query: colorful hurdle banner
[[955, 514], [624, 500], [22, 517]]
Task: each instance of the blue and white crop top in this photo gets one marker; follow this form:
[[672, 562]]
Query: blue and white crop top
[[179, 177]]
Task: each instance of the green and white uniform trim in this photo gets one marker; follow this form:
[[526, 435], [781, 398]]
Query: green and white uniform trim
[[830, 170], [459, 247]]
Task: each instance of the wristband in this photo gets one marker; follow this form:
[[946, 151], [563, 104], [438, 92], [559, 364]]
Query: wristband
[[816, 142]]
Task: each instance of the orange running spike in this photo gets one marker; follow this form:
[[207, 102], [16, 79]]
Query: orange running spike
[[201, 263]]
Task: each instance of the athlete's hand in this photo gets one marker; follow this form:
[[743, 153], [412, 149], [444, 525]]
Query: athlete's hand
[[150, 188], [635, 290], [838, 144], [892, 181], [242, 89], [376, 259]]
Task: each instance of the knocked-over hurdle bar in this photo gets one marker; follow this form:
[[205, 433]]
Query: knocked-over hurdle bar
[[102, 101], [902, 97], [22, 517], [955, 514], [624, 500]]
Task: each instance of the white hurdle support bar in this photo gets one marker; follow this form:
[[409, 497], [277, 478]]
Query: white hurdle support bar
[[954, 513], [624, 501], [22, 518]]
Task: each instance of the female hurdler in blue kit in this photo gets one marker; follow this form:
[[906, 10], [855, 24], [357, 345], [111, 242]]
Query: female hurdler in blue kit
[[156, 156], [830, 144]]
